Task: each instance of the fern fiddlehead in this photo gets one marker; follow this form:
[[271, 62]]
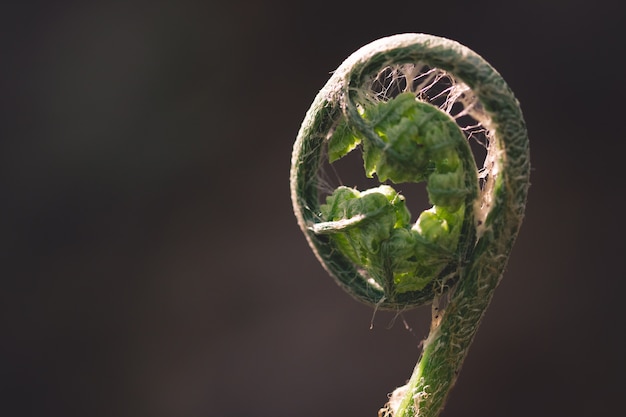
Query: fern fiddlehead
[[411, 103]]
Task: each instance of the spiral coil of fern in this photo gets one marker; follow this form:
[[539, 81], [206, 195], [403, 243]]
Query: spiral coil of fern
[[491, 214]]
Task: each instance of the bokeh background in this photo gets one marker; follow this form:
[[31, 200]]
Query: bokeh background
[[151, 264]]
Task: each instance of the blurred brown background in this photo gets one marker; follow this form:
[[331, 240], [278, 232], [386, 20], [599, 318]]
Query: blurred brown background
[[151, 264]]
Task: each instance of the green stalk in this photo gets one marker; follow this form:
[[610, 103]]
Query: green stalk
[[491, 219]]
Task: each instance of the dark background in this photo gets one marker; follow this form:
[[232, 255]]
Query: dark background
[[151, 262]]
